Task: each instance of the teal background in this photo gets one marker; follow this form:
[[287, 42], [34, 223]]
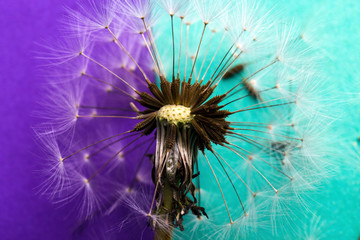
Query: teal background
[[333, 27], [336, 25]]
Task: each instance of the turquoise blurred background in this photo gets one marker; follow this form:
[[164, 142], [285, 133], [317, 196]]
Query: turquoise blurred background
[[336, 27], [333, 210]]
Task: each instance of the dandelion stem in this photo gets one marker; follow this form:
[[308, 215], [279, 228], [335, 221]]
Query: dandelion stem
[[271, 165], [131, 185], [173, 45], [206, 53], [112, 158], [187, 48], [105, 108], [111, 144], [165, 232], [111, 85], [212, 60], [181, 33], [198, 183], [269, 106], [231, 182], [246, 185], [99, 116], [111, 72], [150, 52], [233, 93], [263, 68], [253, 142], [273, 134], [237, 153], [226, 67], [248, 95], [251, 123], [223, 59], [256, 72], [132, 73], [260, 103], [157, 53], [127, 53], [103, 140], [151, 43], [197, 52], [222, 194], [158, 179]]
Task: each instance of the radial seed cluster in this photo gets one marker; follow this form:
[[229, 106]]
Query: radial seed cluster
[[195, 115]]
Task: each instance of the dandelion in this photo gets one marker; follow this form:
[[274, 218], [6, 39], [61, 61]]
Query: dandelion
[[167, 94]]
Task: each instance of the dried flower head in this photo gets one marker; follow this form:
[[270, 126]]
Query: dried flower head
[[153, 93]]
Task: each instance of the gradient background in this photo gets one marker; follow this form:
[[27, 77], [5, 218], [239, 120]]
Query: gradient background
[[26, 215]]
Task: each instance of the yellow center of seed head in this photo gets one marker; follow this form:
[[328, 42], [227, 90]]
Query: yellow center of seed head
[[175, 114]]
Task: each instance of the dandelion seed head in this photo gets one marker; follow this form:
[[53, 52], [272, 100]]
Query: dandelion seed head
[[208, 99], [175, 114]]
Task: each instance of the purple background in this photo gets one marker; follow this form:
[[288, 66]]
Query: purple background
[[23, 214]]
